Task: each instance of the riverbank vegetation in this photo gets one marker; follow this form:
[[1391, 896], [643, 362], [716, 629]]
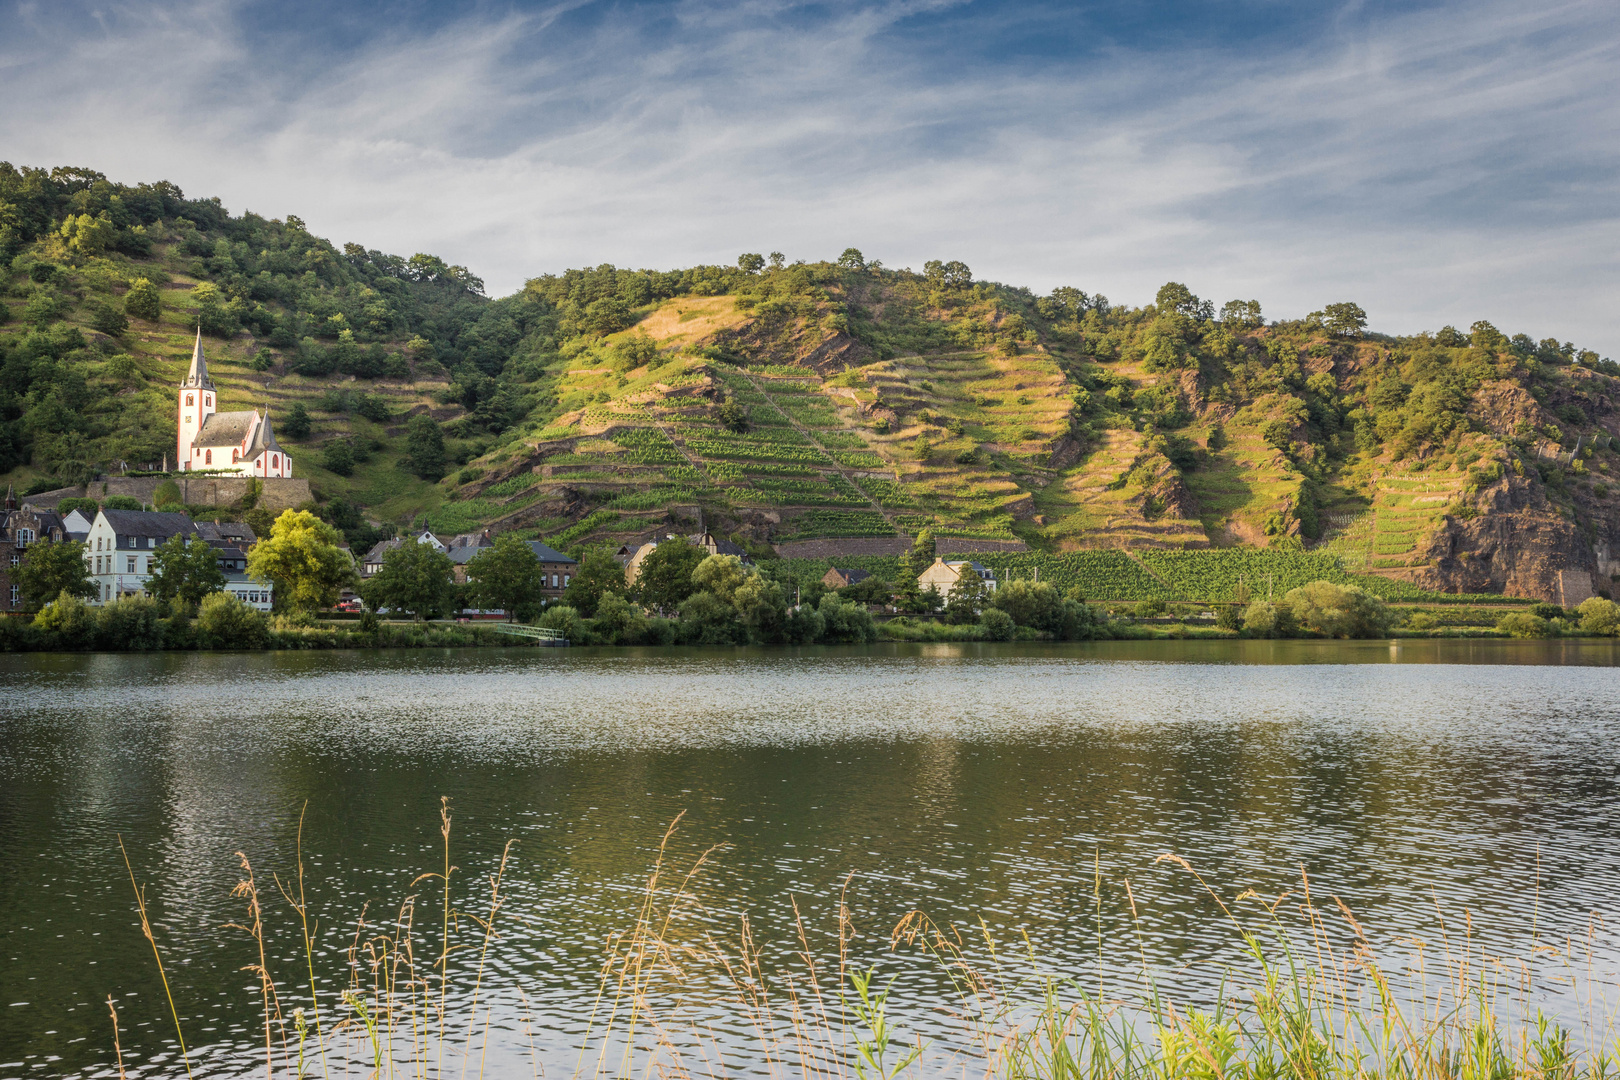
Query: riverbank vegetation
[[1305, 990]]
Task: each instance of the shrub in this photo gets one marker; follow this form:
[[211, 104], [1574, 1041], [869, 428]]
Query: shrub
[[68, 622], [563, 618], [123, 502], [998, 625], [108, 319], [619, 622], [1522, 624], [142, 301], [1547, 611], [844, 621], [130, 623], [1599, 616], [338, 457], [1149, 608], [1338, 610], [224, 622], [1265, 619]]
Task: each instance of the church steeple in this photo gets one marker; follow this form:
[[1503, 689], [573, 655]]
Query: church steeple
[[11, 497], [198, 375]]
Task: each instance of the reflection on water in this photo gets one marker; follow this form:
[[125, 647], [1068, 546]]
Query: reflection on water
[[970, 781]]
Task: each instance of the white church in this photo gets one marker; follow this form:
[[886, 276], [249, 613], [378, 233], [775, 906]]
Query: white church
[[231, 442]]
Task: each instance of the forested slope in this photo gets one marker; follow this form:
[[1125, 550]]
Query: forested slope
[[799, 401]]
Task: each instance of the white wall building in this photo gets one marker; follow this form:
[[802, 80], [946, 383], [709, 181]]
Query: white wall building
[[234, 442], [122, 544]]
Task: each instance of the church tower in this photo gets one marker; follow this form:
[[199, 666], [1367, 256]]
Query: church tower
[[196, 402]]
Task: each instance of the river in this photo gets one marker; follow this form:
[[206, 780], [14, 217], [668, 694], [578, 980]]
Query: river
[[1471, 782]]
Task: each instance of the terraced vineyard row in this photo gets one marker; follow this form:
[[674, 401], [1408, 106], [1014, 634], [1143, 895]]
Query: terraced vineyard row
[[1218, 576]]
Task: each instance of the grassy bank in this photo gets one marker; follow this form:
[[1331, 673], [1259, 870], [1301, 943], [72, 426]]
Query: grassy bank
[[185, 635], [1306, 991]]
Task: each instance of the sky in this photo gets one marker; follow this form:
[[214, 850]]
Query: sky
[[1437, 162]]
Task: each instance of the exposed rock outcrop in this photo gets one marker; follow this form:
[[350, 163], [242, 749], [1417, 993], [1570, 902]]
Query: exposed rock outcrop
[[1518, 544]]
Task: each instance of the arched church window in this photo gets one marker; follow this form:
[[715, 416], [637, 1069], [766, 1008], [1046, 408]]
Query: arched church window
[[236, 455], [188, 400], [208, 458]]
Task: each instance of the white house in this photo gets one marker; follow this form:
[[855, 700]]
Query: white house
[[122, 544], [946, 576], [236, 442]]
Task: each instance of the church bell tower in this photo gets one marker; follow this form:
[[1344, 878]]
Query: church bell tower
[[196, 403]]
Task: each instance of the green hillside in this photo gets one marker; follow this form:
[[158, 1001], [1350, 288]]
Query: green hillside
[[784, 402]]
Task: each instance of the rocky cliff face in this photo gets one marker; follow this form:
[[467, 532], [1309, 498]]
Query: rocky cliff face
[[1518, 542]]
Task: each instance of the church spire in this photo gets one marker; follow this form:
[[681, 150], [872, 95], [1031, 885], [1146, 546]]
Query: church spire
[[198, 375], [11, 497]]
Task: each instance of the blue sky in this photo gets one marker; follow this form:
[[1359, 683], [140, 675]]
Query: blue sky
[[1436, 162]]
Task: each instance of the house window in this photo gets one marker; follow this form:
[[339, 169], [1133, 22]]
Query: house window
[[553, 581], [149, 561], [151, 541], [565, 581], [25, 537], [16, 595], [208, 458], [16, 560], [129, 565]]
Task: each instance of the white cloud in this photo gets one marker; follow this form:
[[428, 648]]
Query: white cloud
[[1437, 167]]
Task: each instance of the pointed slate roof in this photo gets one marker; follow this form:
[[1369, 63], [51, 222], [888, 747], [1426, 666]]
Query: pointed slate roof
[[198, 374], [264, 440]]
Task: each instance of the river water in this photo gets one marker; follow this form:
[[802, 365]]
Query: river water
[[1449, 792]]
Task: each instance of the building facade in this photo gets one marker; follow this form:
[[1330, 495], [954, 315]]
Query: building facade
[[122, 545], [947, 576], [20, 529], [232, 442]]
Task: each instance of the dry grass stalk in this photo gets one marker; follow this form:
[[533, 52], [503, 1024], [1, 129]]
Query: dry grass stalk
[[1302, 999]]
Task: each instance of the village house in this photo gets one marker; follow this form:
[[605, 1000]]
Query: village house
[[374, 558], [837, 578], [122, 546], [557, 569], [947, 576], [20, 529]]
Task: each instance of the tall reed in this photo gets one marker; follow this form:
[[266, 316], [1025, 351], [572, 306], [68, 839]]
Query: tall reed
[[1305, 995]]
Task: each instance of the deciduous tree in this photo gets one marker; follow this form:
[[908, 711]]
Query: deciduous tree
[[597, 577], [185, 569], [303, 557], [49, 570], [507, 576], [415, 577]]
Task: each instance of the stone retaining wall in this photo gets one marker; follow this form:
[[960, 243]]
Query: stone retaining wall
[[276, 495]]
